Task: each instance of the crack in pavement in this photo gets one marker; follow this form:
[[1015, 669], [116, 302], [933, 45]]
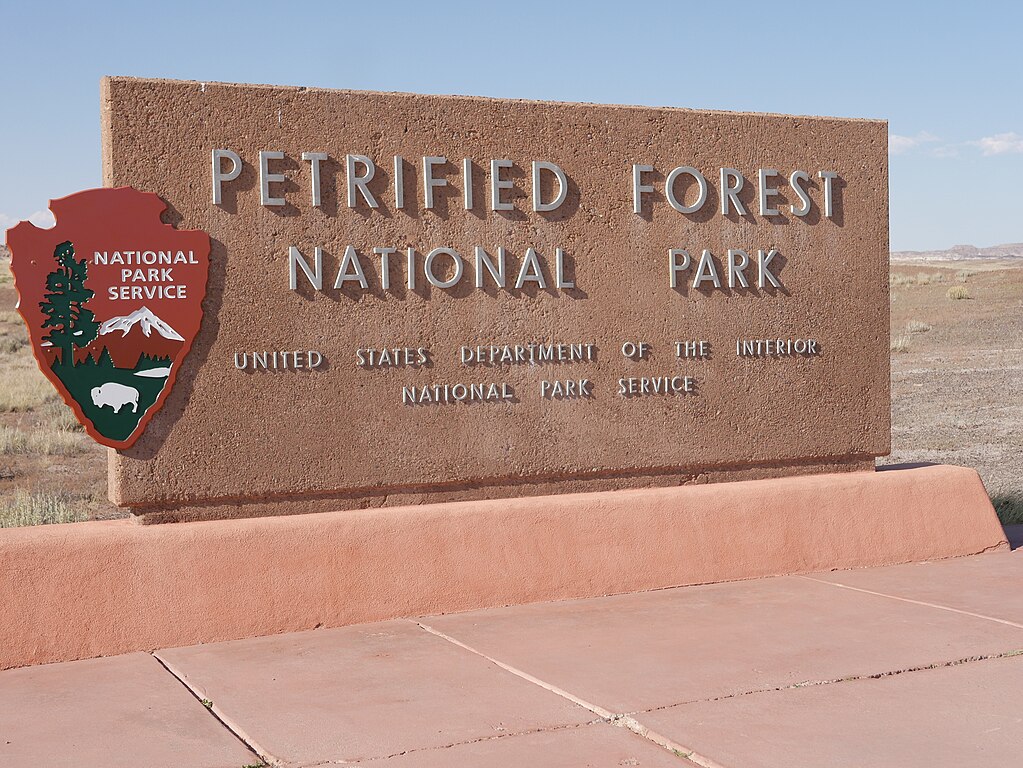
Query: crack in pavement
[[219, 716], [481, 739], [627, 720], [918, 602], [619, 719], [833, 681]]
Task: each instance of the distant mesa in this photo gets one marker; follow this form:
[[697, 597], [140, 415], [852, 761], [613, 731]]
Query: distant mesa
[[1008, 251]]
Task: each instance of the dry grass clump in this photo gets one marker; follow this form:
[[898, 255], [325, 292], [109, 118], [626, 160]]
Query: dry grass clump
[[58, 416], [963, 274], [918, 326], [49, 442], [14, 337], [11, 316], [957, 292], [39, 508], [9, 344], [12, 441], [23, 388], [1009, 507], [40, 442], [900, 343], [898, 280]]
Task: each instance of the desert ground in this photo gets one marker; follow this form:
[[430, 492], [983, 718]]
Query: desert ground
[[957, 393], [957, 369]]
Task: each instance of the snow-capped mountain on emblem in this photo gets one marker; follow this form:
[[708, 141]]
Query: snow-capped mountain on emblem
[[124, 336], [142, 318]]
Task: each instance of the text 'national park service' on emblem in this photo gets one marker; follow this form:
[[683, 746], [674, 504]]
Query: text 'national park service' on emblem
[[113, 301]]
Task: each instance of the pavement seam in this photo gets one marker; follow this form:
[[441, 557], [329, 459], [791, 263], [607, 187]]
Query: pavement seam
[[219, 716], [619, 719], [847, 679], [915, 602], [417, 750]]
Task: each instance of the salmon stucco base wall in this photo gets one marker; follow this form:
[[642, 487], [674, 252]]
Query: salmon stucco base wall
[[102, 588]]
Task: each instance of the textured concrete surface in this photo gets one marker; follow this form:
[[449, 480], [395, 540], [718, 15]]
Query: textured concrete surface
[[341, 435], [599, 745], [122, 712], [949, 716], [973, 586], [362, 692], [788, 671], [638, 652], [97, 589]]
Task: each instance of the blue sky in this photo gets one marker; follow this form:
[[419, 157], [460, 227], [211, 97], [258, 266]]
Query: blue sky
[[947, 77]]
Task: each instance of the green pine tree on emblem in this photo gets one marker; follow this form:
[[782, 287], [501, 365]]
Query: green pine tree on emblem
[[72, 324]]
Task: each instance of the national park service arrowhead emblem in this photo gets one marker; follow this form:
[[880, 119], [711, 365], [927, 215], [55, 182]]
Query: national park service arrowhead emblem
[[113, 301]]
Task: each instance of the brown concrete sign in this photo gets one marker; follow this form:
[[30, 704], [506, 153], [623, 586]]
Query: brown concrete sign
[[417, 298]]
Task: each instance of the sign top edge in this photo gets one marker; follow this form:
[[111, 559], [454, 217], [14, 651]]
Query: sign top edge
[[109, 80]]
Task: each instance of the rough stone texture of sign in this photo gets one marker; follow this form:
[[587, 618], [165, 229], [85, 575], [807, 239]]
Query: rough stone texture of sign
[[232, 442]]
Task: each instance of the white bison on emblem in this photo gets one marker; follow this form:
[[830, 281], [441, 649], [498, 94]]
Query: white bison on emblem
[[116, 396]]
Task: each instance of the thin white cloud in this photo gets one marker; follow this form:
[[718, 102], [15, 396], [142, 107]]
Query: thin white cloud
[[42, 219], [898, 144], [1000, 144]]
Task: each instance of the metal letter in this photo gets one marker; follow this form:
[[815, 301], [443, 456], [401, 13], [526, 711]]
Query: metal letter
[[498, 273], [561, 281], [638, 187], [497, 184], [706, 270], [538, 204], [763, 263], [735, 267], [410, 260], [385, 266], [531, 261], [266, 178], [467, 183], [432, 278], [429, 182], [219, 176], [674, 267], [828, 176], [315, 158], [399, 182], [296, 260], [669, 189], [354, 180], [351, 258], [766, 192], [728, 192], [804, 199]]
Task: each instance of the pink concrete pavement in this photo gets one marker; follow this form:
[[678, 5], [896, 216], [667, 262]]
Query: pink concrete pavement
[[911, 665]]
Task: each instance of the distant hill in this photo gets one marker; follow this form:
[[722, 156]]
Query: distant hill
[[963, 253]]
